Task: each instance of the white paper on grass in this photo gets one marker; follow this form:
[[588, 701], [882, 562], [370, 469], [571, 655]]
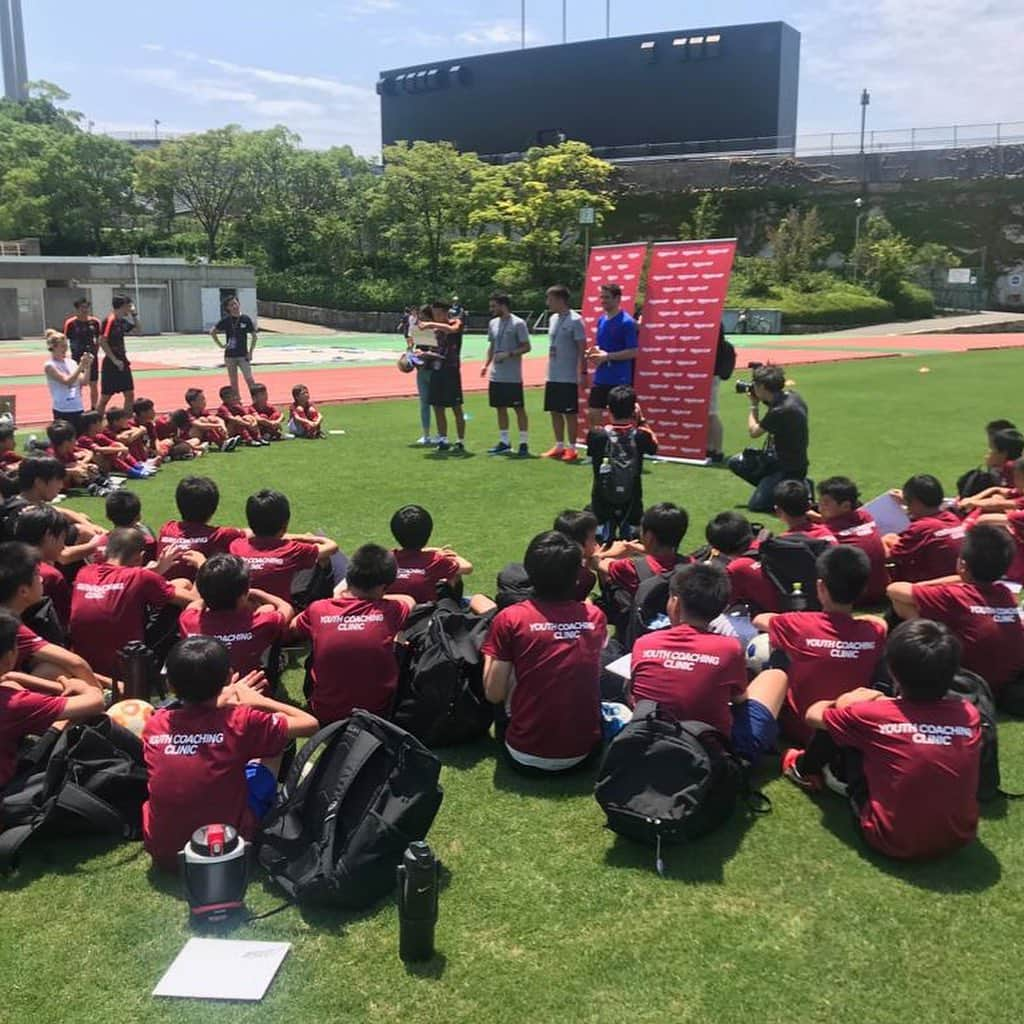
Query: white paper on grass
[[621, 666], [888, 513], [223, 969]]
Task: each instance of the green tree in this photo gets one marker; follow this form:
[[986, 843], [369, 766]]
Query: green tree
[[797, 242], [707, 217], [423, 201], [207, 175]]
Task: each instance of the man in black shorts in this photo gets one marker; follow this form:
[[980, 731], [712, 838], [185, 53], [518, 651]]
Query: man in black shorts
[[116, 375], [508, 340], [83, 333], [446, 380], [567, 372]]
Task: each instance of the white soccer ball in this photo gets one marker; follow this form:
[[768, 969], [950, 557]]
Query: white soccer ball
[[758, 653], [131, 714]]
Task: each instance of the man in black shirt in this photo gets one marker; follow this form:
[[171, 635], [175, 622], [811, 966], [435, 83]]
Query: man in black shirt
[[83, 333], [236, 328], [784, 457], [116, 373]]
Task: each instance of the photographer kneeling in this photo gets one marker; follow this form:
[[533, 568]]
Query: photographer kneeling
[[784, 457]]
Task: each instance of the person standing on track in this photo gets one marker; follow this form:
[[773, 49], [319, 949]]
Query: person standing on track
[[567, 372], [64, 379], [508, 340], [236, 328], [83, 331], [615, 352], [116, 374]]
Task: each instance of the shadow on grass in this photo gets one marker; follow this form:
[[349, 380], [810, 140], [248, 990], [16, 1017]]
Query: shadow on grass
[[701, 861], [567, 786], [68, 856], [431, 969], [437, 456], [468, 755], [975, 868]]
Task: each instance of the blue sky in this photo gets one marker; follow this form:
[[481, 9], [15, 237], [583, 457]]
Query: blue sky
[[312, 64]]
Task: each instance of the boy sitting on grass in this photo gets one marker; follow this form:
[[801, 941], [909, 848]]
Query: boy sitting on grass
[[204, 425], [239, 419], [911, 762], [9, 457], [792, 506], [111, 455], [29, 705], [662, 530], [701, 676], [197, 498], [979, 610], [842, 516], [929, 547], [79, 465], [542, 660], [124, 510], [45, 529], [734, 546], [268, 417], [218, 777], [248, 622], [421, 569], [997, 499], [582, 527], [21, 589], [272, 554], [353, 639], [829, 652], [304, 417]]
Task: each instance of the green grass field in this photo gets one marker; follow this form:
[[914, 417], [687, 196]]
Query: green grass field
[[546, 916]]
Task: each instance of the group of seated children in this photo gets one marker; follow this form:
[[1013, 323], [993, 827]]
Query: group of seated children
[[133, 443], [850, 705]]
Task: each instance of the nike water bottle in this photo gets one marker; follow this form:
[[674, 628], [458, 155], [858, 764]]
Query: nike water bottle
[[417, 903]]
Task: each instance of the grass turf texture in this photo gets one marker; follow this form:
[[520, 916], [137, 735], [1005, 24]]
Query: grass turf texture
[[545, 915]]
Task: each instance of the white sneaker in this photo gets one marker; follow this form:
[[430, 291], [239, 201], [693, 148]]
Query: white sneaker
[[424, 440]]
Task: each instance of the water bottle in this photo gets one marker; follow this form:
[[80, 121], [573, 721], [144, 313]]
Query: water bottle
[[606, 466], [134, 665], [417, 903], [797, 601]]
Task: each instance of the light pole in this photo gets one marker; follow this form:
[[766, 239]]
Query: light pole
[[865, 101], [565, 21], [522, 22], [587, 218], [156, 128], [608, 19], [858, 203]]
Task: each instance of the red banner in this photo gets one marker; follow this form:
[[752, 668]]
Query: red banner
[[686, 286], [608, 264]]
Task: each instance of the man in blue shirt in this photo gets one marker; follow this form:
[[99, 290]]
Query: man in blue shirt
[[615, 352]]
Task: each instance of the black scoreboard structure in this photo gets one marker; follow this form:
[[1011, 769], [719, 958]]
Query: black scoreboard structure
[[699, 90]]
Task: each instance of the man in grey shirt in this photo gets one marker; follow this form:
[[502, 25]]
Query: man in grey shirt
[[508, 340], [567, 372]]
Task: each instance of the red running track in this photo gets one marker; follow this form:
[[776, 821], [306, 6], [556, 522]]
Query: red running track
[[367, 383]]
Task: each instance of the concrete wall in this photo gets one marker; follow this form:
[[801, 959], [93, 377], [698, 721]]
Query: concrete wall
[[662, 175], [30, 305]]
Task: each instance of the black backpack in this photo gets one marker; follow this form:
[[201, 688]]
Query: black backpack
[[972, 688], [662, 780], [616, 482], [309, 585], [790, 562], [440, 696], [336, 836], [1011, 697], [725, 358], [88, 779], [633, 613]]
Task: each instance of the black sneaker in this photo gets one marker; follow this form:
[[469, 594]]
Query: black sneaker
[[231, 443], [459, 448], [524, 451], [443, 446], [716, 458], [501, 448]]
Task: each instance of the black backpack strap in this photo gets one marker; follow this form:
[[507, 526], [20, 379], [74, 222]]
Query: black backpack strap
[[317, 742], [643, 569], [100, 815], [12, 839]]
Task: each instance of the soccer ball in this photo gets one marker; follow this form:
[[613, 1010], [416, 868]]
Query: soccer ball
[[131, 714], [758, 653], [405, 364]]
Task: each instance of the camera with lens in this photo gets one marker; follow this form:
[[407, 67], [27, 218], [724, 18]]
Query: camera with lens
[[746, 387]]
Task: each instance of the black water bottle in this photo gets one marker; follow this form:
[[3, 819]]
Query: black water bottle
[[417, 903], [134, 664]]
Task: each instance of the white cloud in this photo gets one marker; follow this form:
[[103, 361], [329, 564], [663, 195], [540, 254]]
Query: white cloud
[[497, 33], [202, 90], [924, 61], [312, 82]]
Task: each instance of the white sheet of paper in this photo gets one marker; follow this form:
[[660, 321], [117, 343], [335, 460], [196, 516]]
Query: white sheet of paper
[[223, 969], [888, 513], [621, 666]]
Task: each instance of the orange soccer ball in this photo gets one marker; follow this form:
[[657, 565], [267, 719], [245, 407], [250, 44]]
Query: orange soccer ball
[[131, 714]]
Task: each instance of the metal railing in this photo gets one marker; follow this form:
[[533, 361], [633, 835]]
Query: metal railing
[[876, 141], [12, 249]]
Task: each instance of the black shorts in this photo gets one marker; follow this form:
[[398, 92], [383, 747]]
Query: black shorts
[[115, 381], [599, 396], [505, 396], [445, 391], [74, 418], [94, 370], [560, 396]]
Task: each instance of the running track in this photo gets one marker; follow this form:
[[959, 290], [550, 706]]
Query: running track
[[366, 383]]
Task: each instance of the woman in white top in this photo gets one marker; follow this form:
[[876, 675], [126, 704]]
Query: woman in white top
[[64, 378]]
